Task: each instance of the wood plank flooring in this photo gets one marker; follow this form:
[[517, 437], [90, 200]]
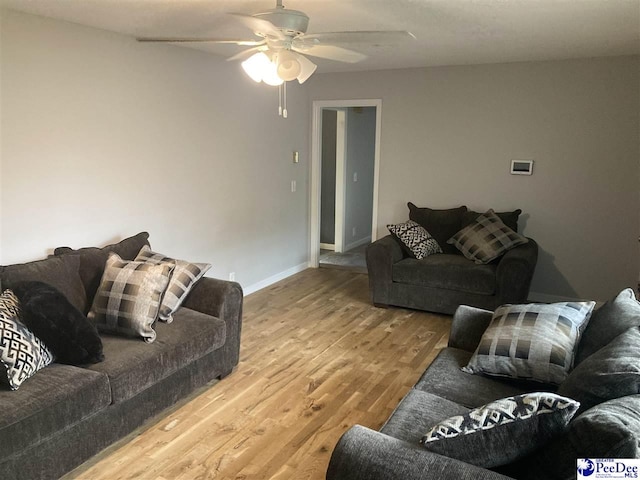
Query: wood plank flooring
[[316, 358]]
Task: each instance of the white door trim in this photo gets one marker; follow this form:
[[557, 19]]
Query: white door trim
[[341, 187], [315, 171]]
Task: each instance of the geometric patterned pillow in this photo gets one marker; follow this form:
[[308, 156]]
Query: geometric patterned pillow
[[486, 238], [129, 297], [502, 431], [184, 276], [22, 354], [533, 341], [415, 238]]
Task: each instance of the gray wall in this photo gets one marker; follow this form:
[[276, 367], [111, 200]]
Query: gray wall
[[103, 137], [449, 134], [361, 137], [328, 183]]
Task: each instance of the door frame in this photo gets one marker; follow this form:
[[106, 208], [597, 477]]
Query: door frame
[[315, 170]]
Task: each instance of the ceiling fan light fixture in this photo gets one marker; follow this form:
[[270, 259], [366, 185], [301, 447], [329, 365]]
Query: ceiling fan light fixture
[[288, 65], [270, 75], [307, 67], [256, 65]]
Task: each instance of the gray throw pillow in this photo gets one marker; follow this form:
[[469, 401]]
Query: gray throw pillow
[[486, 239], [502, 431], [607, 322], [129, 297], [416, 240], [611, 372], [608, 430], [534, 341], [183, 278], [510, 219]]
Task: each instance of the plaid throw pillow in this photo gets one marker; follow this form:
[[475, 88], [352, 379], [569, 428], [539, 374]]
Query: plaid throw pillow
[[479, 437], [22, 354], [129, 297], [533, 341], [418, 242], [184, 276], [486, 239]]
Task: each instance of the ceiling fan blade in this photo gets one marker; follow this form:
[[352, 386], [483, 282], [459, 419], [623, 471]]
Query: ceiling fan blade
[[244, 43], [247, 53], [258, 25], [330, 52], [369, 38]]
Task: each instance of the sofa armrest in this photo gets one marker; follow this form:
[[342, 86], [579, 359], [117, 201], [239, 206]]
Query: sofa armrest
[[467, 327], [364, 454], [381, 255], [221, 299], [515, 271]]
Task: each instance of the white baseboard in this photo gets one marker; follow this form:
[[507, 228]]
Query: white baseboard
[[274, 278], [357, 243], [327, 246], [546, 298]]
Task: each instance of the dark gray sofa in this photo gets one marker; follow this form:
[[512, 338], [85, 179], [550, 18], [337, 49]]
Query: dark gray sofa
[[442, 282], [65, 414], [608, 429]]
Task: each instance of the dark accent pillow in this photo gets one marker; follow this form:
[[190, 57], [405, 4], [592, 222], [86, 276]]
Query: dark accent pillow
[[608, 430], [22, 354], [58, 324], [534, 341], [502, 431], [611, 372], [62, 273], [607, 322], [441, 224], [93, 260], [510, 219], [415, 240]]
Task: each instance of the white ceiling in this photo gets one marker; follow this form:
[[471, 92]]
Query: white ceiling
[[448, 32]]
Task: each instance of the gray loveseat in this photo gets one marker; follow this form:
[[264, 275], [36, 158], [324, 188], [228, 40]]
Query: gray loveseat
[[441, 282], [65, 414], [607, 426]]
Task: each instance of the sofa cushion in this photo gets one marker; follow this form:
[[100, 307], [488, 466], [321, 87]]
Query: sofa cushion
[[486, 239], [534, 341], [93, 260], [22, 354], [129, 297], [608, 430], [417, 412], [611, 372], [451, 272], [444, 378], [54, 399], [510, 219], [442, 224], [607, 322], [502, 431], [132, 365], [62, 273], [70, 336], [183, 278]]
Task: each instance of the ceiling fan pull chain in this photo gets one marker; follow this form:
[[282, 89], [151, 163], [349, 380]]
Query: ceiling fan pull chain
[[284, 88], [280, 100]]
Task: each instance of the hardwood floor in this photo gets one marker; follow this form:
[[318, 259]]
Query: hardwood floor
[[316, 358]]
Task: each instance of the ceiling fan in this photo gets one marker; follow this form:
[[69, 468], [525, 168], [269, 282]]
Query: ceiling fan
[[279, 50]]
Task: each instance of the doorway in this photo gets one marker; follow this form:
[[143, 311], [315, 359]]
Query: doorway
[[344, 180]]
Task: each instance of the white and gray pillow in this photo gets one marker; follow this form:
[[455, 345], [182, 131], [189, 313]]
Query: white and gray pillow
[[533, 341], [183, 278], [22, 354], [129, 297], [418, 242], [486, 239], [502, 431]]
